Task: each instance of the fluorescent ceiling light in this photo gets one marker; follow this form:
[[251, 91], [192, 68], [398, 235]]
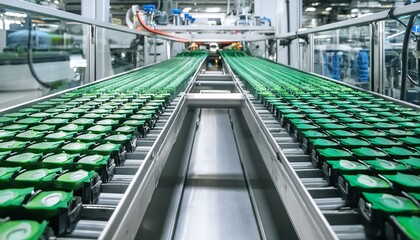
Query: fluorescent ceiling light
[[187, 9], [15, 14], [310, 9], [328, 9], [213, 10], [316, 4]]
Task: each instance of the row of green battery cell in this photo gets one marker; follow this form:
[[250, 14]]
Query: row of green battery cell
[[60, 208], [78, 152], [332, 153], [85, 184]]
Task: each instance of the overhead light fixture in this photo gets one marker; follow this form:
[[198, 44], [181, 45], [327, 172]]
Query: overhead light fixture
[[310, 9], [355, 10], [213, 10], [316, 4], [187, 9], [15, 14], [328, 9]]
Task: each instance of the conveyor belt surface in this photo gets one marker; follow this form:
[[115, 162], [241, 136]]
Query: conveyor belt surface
[[359, 152], [215, 203], [72, 156]]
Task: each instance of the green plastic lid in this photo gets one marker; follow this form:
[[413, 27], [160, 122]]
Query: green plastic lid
[[304, 126], [390, 203], [411, 113], [350, 120], [7, 134], [100, 129], [399, 119], [334, 153], [353, 142], [101, 111], [374, 119], [332, 126], [409, 225], [15, 127], [77, 147], [366, 114], [55, 110], [66, 115], [358, 126], [24, 158], [341, 115], [83, 121], [41, 174], [74, 180], [22, 229], [90, 137], [399, 132], [7, 172], [317, 115], [141, 117], [115, 116], [16, 115], [57, 136], [388, 114], [126, 130], [341, 133], [371, 133], [93, 116], [405, 180], [45, 146], [4, 120], [299, 121], [72, 128], [78, 110], [118, 138], [410, 140], [107, 148], [43, 127], [294, 115], [409, 124], [366, 182], [145, 112], [385, 165], [324, 143], [107, 122], [12, 145], [14, 196], [346, 165], [123, 111], [50, 200], [56, 121], [95, 159], [414, 162], [135, 123], [324, 120], [384, 142], [60, 158], [314, 134], [30, 135], [383, 125], [402, 152], [368, 152]]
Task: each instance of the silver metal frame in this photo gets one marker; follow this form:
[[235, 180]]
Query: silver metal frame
[[367, 19], [38, 9]]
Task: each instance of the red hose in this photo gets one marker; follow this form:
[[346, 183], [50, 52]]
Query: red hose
[[149, 29]]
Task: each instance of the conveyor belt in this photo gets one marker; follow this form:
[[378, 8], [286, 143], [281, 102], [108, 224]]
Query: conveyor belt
[[350, 210]]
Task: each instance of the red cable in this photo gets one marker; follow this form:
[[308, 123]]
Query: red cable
[[149, 29]]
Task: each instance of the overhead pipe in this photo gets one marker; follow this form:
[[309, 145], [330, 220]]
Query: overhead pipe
[[158, 32]]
